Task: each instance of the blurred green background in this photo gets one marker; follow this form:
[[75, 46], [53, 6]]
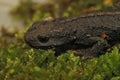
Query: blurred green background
[[20, 62]]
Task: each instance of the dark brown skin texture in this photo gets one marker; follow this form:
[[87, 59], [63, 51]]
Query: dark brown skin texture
[[90, 34]]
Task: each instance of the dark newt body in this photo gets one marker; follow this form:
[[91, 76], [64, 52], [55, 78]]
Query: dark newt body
[[95, 33]]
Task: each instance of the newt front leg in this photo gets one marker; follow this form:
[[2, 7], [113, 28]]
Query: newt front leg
[[99, 45]]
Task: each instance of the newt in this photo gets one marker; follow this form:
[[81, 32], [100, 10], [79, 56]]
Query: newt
[[90, 34]]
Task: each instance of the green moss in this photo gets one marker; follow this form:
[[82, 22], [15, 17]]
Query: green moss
[[18, 61]]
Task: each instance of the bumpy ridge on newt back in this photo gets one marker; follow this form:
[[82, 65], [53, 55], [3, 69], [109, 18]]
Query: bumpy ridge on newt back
[[65, 20]]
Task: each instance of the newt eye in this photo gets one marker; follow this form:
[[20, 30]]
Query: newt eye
[[43, 39]]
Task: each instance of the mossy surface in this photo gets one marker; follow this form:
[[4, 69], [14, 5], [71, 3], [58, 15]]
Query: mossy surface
[[24, 63]]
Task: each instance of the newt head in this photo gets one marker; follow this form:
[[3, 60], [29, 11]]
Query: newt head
[[45, 36]]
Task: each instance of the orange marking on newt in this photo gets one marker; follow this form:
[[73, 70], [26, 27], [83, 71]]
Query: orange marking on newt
[[104, 35], [83, 58], [75, 52]]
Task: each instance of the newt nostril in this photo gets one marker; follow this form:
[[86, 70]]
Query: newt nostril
[[43, 39]]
